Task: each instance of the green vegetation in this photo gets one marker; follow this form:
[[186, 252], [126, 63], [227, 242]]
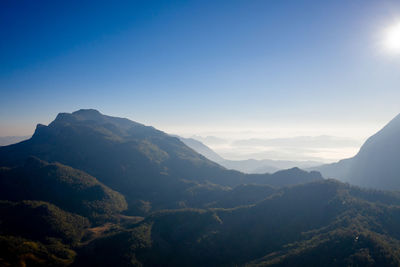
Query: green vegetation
[[40, 220], [17, 251], [35, 233]]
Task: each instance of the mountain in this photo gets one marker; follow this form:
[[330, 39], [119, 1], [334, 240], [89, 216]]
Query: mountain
[[375, 165], [323, 223], [248, 165], [150, 168]]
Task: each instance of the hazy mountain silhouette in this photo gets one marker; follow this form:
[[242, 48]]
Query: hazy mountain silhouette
[[377, 163], [202, 149], [248, 165]]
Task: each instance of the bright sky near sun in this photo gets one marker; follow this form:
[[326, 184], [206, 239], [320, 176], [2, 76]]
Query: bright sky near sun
[[392, 41], [276, 68]]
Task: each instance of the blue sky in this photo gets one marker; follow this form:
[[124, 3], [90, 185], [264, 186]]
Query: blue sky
[[297, 67]]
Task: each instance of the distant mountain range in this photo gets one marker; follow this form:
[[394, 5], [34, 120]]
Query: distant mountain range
[[300, 148], [377, 163], [249, 165], [94, 190]]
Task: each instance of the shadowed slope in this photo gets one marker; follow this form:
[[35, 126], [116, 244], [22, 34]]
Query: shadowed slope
[[301, 221], [68, 188]]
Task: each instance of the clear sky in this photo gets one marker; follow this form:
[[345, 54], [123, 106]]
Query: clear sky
[[191, 67]]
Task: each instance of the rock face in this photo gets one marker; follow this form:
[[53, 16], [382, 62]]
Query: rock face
[[377, 163]]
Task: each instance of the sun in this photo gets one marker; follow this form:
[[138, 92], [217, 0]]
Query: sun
[[392, 39]]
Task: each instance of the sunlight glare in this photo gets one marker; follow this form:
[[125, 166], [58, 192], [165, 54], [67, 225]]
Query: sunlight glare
[[392, 39]]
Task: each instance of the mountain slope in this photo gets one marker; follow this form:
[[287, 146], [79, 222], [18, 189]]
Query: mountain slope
[[375, 165], [44, 220], [69, 189], [150, 168], [36, 233]]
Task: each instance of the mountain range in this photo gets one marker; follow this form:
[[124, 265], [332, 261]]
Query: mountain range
[[94, 190], [152, 169]]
